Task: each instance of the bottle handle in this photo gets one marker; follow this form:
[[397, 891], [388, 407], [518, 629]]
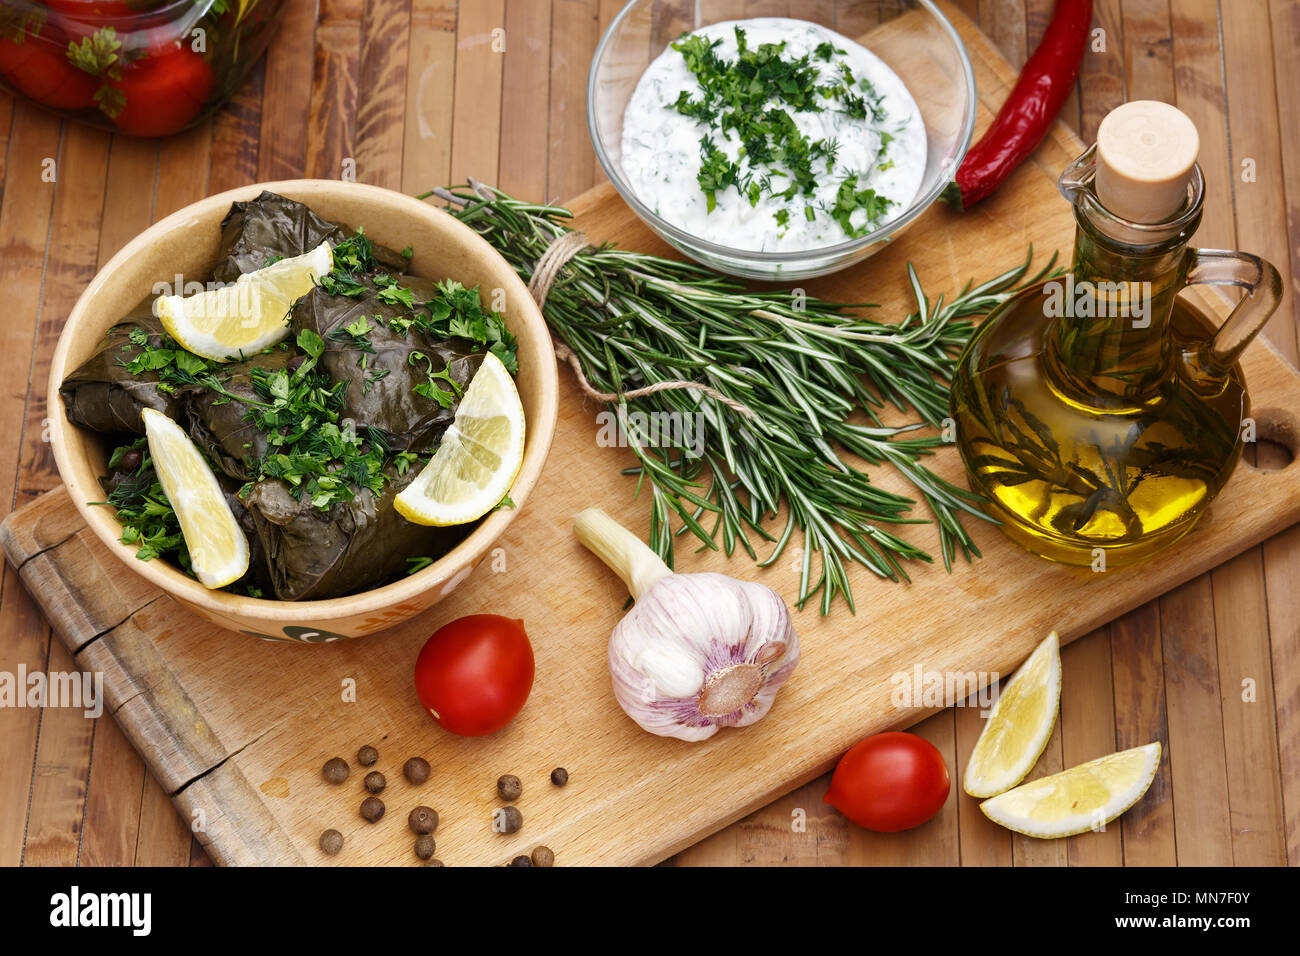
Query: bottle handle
[[1263, 293]]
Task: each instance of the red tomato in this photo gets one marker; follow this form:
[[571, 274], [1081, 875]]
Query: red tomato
[[39, 69], [162, 92], [890, 782], [475, 673]]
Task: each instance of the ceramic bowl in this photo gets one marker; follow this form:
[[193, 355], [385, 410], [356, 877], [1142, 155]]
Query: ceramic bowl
[[186, 243]]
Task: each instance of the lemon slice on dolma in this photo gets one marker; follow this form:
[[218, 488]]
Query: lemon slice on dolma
[[247, 315], [1083, 798], [479, 457], [1019, 727], [217, 546]]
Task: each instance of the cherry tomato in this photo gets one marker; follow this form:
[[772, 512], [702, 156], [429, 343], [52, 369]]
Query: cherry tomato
[[38, 67], [475, 673], [890, 782], [162, 92]]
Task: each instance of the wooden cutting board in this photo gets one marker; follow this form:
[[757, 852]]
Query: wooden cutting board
[[236, 729]]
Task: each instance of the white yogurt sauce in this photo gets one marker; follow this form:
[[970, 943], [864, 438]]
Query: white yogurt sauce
[[662, 147]]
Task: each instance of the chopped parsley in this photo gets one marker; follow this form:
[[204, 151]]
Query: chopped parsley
[[323, 457], [753, 96], [309, 446], [849, 199], [457, 312], [429, 388], [391, 293], [358, 334], [147, 518], [417, 564], [354, 258], [174, 366]]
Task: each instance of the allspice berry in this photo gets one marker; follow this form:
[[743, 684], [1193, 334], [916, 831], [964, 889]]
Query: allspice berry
[[520, 861], [543, 856], [559, 776], [509, 787], [367, 756], [417, 770], [435, 862], [423, 820], [507, 820], [372, 808], [424, 846], [331, 841], [335, 770], [375, 781]]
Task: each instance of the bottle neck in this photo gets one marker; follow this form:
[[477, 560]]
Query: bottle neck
[[1111, 343]]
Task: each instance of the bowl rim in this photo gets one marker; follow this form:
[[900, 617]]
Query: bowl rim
[[783, 261], [466, 554]]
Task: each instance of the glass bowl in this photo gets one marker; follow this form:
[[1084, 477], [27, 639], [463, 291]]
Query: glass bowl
[[914, 39], [140, 67]]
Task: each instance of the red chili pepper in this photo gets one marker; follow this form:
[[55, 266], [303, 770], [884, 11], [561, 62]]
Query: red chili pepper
[[1040, 92]]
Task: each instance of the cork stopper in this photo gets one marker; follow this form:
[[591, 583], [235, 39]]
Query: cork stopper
[[1145, 153]]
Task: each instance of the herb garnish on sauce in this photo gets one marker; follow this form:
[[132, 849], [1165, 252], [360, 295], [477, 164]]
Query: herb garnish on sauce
[[753, 96]]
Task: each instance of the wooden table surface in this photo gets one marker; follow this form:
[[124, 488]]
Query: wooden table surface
[[418, 93]]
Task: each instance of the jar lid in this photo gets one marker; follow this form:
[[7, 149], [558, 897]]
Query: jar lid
[[1145, 153]]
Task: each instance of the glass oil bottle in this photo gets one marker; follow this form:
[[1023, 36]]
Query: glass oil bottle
[[1096, 410]]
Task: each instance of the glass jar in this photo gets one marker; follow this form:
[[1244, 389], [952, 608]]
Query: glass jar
[[1097, 412], [140, 67]]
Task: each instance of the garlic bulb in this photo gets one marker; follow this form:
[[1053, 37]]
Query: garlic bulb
[[697, 651]]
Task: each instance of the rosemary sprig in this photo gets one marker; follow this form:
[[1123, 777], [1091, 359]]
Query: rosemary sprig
[[814, 374]]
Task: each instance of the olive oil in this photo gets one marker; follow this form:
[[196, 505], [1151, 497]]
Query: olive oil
[[1097, 412], [1066, 476]]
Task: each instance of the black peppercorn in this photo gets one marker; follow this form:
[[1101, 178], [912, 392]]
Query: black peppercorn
[[375, 781], [543, 856], [559, 776], [509, 787], [335, 770], [367, 756], [417, 770], [331, 841], [372, 808], [507, 820], [424, 846], [520, 861], [423, 820]]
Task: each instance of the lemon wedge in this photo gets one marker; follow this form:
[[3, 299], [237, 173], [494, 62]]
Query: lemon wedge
[[479, 457], [247, 315], [1082, 798], [1020, 725], [217, 546]]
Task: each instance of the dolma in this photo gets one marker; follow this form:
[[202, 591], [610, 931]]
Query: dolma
[[382, 376], [217, 422], [351, 547], [103, 395], [257, 578], [271, 227], [398, 381]]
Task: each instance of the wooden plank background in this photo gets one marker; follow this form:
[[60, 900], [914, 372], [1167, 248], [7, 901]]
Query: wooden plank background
[[417, 93]]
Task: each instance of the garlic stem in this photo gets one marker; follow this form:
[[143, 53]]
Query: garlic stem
[[625, 553]]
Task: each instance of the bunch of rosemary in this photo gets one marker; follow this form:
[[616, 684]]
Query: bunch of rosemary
[[802, 366]]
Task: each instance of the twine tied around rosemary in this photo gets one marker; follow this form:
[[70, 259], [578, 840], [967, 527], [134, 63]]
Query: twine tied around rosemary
[[548, 268]]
